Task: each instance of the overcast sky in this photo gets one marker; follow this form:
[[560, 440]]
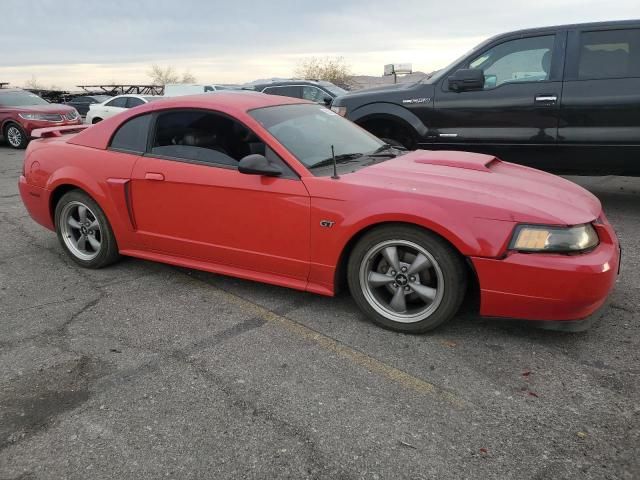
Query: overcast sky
[[73, 42]]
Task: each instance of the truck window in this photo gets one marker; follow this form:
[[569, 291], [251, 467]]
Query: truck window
[[521, 60], [609, 54]]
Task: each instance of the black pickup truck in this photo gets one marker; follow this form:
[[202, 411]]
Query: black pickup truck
[[565, 99]]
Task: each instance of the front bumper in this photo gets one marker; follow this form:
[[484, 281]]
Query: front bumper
[[549, 287]]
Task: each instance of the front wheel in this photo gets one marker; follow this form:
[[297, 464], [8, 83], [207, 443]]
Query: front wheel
[[15, 136], [406, 279], [84, 231]]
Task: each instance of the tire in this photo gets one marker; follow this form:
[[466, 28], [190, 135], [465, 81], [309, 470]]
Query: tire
[[15, 136], [78, 216], [96, 120], [415, 290]]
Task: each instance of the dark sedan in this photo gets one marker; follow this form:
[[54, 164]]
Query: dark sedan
[[81, 103]]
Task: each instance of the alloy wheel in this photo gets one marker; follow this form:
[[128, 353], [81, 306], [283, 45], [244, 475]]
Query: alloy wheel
[[14, 136], [81, 230], [401, 281]]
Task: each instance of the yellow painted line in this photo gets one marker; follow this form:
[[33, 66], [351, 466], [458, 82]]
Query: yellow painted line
[[396, 375]]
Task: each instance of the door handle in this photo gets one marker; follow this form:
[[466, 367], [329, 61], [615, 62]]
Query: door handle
[[546, 98], [154, 176]]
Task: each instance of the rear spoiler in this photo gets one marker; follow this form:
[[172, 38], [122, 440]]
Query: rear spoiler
[[57, 131]]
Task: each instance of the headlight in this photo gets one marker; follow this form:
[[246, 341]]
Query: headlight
[[30, 116], [541, 238], [45, 117], [342, 111]]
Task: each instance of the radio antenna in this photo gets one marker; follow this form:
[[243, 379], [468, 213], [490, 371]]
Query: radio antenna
[[335, 164]]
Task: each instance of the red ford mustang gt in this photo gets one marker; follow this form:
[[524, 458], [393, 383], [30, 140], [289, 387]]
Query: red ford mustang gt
[[286, 192]]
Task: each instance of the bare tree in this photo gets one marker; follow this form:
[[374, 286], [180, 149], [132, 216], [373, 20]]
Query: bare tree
[[332, 69], [166, 75], [33, 84], [188, 77]]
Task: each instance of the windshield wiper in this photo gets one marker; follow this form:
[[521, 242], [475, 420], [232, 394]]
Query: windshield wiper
[[342, 158], [385, 151]]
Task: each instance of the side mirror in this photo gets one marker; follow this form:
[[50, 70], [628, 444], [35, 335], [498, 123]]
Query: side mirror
[[466, 79], [257, 164], [327, 100]]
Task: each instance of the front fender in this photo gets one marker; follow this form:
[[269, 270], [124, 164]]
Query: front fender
[[391, 111], [469, 234]]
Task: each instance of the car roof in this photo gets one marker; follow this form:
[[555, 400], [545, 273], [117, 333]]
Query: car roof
[[241, 100], [13, 89], [284, 83], [129, 95], [572, 26]]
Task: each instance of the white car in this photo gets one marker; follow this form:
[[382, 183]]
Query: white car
[[99, 111], [179, 89]]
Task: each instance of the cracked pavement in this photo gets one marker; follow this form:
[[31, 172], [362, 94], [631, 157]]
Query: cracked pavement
[[143, 370]]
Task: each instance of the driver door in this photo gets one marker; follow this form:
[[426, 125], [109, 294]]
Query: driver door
[[190, 201], [515, 116]]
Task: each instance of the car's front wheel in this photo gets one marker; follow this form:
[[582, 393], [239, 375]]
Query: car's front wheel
[[406, 279], [84, 231], [15, 136]]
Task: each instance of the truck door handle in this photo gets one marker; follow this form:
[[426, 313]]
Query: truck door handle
[[546, 98], [154, 176]]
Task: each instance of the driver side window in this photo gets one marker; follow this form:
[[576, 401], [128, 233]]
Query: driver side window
[[521, 60], [199, 136]]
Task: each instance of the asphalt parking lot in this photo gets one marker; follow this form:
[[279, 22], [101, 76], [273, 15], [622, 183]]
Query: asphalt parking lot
[[144, 370]]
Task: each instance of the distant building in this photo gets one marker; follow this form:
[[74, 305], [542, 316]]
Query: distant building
[[358, 82]]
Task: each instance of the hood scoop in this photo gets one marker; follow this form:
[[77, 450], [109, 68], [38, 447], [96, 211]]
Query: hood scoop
[[465, 160]]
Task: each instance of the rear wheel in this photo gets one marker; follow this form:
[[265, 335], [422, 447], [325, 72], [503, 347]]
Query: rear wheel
[[15, 136], [96, 120], [406, 279], [84, 231]]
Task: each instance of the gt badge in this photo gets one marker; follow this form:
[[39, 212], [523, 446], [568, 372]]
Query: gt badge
[[327, 223]]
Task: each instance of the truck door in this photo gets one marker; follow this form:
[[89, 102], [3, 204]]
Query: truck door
[[600, 109], [515, 115]]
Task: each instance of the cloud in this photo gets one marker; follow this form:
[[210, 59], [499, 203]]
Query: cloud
[[74, 40]]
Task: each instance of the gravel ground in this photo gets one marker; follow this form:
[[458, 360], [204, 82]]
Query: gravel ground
[[144, 370]]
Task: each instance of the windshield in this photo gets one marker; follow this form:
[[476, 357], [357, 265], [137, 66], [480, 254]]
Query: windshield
[[309, 131], [334, 89], [20, 98], [435, 76]]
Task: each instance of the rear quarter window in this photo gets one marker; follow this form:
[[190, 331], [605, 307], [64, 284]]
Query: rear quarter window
[[131, 136]]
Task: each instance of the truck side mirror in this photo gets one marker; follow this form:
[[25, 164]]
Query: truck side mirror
[[466, 79]]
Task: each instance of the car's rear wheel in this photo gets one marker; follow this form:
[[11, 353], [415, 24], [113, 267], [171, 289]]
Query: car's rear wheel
[[15, 136], [96, 120], [406, 279], [84, 231]]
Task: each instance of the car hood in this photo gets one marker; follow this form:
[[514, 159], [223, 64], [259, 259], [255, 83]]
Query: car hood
[[50, 108], [393, 92], [491, 188]]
